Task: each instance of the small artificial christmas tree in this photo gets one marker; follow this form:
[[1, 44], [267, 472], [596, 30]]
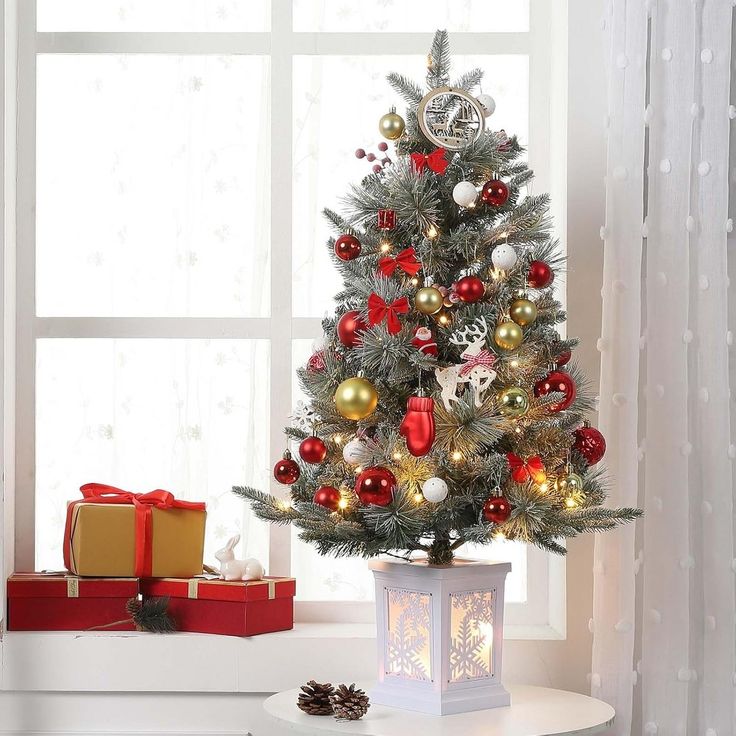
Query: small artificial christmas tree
[[444, 406]]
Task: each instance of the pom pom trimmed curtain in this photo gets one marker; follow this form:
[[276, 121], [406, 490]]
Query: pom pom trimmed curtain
[[663, 619]]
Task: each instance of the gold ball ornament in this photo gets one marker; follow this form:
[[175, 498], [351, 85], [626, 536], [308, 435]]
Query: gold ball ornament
[[391, 125], [513, 402], [508, 336], [356, 398], [570, 485], [428, 300], [523, 312]]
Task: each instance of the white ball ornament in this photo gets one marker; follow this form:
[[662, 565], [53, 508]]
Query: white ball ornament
[[434, 490], [465, 193], [487, 103], [504, 257], [354, 452]]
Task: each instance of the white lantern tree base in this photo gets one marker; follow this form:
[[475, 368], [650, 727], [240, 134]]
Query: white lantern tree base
[[440, 635]]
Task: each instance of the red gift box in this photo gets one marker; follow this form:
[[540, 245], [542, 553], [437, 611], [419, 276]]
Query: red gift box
[[238, 608], [59, 602]]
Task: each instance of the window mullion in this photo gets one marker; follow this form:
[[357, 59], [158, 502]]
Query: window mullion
[[281, 255]]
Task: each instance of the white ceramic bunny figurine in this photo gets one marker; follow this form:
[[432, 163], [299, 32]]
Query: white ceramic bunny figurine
[[232, 569]]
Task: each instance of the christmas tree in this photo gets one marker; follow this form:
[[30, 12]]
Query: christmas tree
[[445, 407]]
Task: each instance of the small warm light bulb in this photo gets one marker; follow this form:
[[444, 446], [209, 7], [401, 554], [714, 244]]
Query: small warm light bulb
[[358, 469], [514, 363], [285, 504], [544, 487], [342, 503], [418, 497], [385, 246], [444, 319], [457, 456], [570, 502], [518, 430], [337, 439], [496, 274], [397, 456], [499, 537], [415, 281], [431, 232]]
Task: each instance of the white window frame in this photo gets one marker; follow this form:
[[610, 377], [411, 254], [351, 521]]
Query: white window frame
[[542, 616]]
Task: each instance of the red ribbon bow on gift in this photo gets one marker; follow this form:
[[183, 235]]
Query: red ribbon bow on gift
[[406, 261], [144, 504], [378, 310], [521, 471], [436, 161], [484, 357]]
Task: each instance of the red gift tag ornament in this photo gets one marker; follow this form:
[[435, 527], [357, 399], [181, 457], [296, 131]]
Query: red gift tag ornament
[[386, 219]]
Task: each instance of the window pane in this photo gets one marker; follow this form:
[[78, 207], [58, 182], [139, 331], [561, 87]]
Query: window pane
[[323, 578], [327, 90], [402, 15], [153, 15], [189, 416], [152, 186]]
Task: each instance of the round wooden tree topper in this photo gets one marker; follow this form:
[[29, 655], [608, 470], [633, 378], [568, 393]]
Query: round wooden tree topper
[[450, 118]]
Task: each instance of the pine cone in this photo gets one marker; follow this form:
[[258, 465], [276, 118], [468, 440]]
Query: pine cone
[[349, 703], [314, 699]]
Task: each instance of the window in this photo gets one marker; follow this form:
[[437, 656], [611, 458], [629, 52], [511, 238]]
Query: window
[[174, 157]]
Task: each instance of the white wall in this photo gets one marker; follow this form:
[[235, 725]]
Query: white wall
[[563, 664]]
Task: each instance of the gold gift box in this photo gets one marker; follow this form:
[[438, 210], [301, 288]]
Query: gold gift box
[[103, 539]]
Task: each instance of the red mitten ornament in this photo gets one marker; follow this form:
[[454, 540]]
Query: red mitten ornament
[[418, 425]]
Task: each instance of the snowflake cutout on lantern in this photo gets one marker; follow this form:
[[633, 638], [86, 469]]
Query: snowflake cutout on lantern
[[409, 626], [304, 417], [471, 642]]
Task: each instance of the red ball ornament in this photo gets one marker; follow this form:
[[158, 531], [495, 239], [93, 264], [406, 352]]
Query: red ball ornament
[[316, 362], [424, 341], [590, 443], [327, 496], [557, 382], [349, 326], [347, 247], [286, 471], [375, 486], [312, 450], [497, 509], [495, 193], [470, 289], [563, 358], [540, 275]]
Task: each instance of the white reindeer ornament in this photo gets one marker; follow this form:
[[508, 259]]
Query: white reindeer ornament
[[232, 569], [476, 368]]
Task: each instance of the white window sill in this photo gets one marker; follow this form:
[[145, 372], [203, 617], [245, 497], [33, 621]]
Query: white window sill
[[131, 661], [61, 661]]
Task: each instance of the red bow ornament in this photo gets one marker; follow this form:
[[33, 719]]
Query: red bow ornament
[[406, 261], [521, 471], [435, 161], [378, 310]]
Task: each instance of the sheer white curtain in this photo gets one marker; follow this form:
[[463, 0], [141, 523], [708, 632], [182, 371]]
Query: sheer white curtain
[[663, 650]]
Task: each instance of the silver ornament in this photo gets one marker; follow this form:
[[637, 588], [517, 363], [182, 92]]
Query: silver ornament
[[354, 452], [504, 257], [464, 193], [488, 104], [434, 490]]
